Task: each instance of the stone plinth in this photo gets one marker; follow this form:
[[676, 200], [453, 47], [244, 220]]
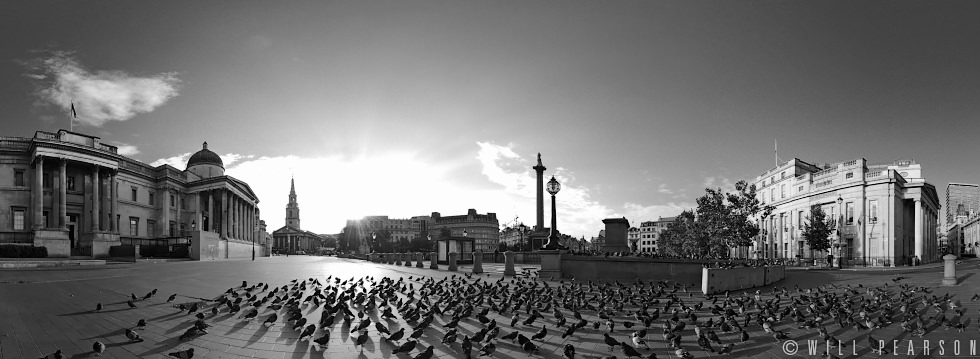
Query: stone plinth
[[477, 262], [509, 264], [550, 265], [418, 262], [452, 261], [55, 240], [398, 259], [434, 260], [408, 259], [617, 230], [949, 270]]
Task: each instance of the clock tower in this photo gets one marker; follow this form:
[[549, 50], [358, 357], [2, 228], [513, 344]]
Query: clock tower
[[292, 208]]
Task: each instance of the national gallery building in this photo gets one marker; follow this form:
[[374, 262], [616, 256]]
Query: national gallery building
[[76, 196]]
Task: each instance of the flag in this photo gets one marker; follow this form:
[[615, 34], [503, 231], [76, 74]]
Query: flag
[[73, 114]]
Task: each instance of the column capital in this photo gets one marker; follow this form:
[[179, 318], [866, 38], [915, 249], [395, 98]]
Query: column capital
[[38, 160]]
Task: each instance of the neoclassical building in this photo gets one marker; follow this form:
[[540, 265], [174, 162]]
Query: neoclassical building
[[291, 238], [77, 196], [887, 213]]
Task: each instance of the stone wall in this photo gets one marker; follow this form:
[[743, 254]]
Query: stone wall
[[718, 280], [628, 269]]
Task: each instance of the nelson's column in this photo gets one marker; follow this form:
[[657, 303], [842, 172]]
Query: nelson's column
[[540, 235]]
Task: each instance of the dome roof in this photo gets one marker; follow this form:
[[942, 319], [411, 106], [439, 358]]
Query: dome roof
[[205, 157]]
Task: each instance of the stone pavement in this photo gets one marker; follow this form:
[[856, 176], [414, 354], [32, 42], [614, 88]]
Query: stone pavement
[[43, 310]]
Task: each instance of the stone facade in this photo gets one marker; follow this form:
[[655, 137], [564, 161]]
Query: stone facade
[[887, 214], [77, 196]]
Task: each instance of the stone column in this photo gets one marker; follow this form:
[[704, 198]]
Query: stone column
[[164, 195], [949, 270], [38, 192], [452, 261], [63, 194], [177, 211], [398, 258], [433, 260], [418, 263], [477, 262], [224, 230], [919, 244], [96, 213], [114, 202], [212, 224], [509, 264], [539, 169]]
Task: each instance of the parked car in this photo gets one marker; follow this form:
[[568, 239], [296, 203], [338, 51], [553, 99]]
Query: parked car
[[301, 253]]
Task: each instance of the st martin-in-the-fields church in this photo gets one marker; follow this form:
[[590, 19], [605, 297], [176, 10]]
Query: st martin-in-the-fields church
[[291, 238]]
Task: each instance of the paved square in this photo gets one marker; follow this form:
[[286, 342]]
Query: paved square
[[44, 310]]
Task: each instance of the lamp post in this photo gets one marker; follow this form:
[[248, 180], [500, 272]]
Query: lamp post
[[553, 188], [837, 245], [374, 238]]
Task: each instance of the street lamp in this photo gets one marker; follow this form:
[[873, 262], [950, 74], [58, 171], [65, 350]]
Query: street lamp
[[837, 246], [553, 188], [374, 238]]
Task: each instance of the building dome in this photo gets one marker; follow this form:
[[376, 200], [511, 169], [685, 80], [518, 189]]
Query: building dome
[[205, 157]]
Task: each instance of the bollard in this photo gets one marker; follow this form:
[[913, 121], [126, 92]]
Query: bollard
[[949, 271], [509, 264], [434, 258], [408, 259], [477, 262], [398, 259], [418, 262], [452, 261], [391, 258]]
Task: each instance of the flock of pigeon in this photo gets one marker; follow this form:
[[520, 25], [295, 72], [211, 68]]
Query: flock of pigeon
[[471, 315]]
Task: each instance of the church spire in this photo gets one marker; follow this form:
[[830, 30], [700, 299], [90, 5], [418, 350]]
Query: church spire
[[292, 208]]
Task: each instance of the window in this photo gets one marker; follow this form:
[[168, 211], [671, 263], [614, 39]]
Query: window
[[782, 190], [782, 175], [849, 175], [800, 190], [873, 211], [173, 201], [799, 220], [44, 219], [849, 212], [134, 225], [152, 200], [782, 218], [151, 228], [19, 218], [763, 197], [19, 178], [46, 181], [132, 194], [70, 181], [772, 194]]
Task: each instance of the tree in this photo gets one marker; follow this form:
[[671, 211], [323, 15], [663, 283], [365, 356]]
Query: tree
[[817, 229], [501, 247]]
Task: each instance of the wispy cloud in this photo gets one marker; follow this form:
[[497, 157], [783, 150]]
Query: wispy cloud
[[724, 183], [178, 161], [663, 189], [126, 149], [99, 96]]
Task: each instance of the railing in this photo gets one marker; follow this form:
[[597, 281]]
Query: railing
[[874, 174], [165, 241], [850, 163], [825, 172], [823, 183], [46, 135], [16, 237], [18, 143], [107, 148]]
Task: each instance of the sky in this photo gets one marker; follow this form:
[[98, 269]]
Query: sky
[[403, 108]]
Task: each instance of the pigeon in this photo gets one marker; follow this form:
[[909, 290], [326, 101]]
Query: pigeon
[[427, 354], [141, 324], [397, 335], [251, 314], [629, 351], [322, 341], [183, 354], [189, 333], [406, 347], [308, 332], [726, 348], [271, 320], [98, 348], [569, 351], [488, 349], [610, 341], [56, 355], [131, 304], [172, 297], [133, 336], [529, 348], [361, 339], [98, 307], [540, 334]]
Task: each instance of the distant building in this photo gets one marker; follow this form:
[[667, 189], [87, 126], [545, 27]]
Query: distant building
[[483, 228], [598, 242], [633, 239], [650, 233], [515, 237], [887, 213], [77, 196], [363, 230], [291, 238], [960, 197]]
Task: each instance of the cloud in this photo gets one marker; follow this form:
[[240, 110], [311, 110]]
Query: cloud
[[178, 161], [126, 149], [99, 96], [724, 183], [663, 189]]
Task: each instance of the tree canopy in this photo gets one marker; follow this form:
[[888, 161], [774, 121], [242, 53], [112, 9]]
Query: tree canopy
[[817, 229]]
